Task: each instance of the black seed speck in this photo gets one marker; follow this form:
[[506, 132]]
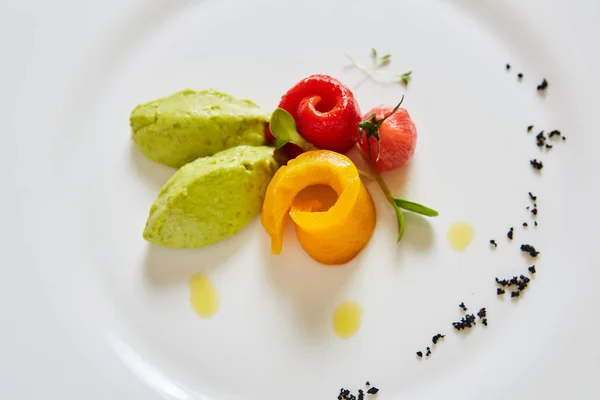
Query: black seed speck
[[515, 294], [543, 85], [520, 75], [535, 223], [510, 233], [493, 243], [502, 282], [373, 390], [532, 269], [534, 211], [484, 321], [428, 353], [536, 164], [500, 291], [468, 321], [437, 337], [525, 224], [508, 67], [549, 146], [554, 133], [368, 383], [420, 354], [482, 313], [462, 306], [532, 197]]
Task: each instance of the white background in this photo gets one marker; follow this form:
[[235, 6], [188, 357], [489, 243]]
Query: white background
[[89, 310]]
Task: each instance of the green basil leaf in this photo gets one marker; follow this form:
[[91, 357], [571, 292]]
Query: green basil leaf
[[283, 127]]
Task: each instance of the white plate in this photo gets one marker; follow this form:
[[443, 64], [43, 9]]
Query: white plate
[[89, 310]]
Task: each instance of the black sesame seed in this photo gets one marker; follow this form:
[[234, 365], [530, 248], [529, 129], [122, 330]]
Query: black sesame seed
[[536, 164], [554, 133], [467, 322], [535, 223], [540, 138], [520, 75], [420, 354], [502, 282], [532, 269], [508, 67], [534, 211], [510, 233], [481, 313], [437, 337], [515, 294], [529, 128], [500, 291], [484, 321], [514, 281], [527, 248], [368, 383], [543, 85], [462, 305], [549, 146], [532, 197], [493, 242], [428, 353], [373, 390], [564, 138], [525, 224]]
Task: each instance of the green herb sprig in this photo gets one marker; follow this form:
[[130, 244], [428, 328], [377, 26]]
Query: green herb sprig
[[398, 204], [378, 63]]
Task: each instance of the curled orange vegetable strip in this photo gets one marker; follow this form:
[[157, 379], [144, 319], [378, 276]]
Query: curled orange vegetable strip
[[334, 236]]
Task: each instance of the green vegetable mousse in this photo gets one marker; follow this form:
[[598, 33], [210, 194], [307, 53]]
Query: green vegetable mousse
[[211, 198], [184, 126]]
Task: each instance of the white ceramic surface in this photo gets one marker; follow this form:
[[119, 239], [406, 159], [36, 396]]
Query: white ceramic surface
[[90, 311]]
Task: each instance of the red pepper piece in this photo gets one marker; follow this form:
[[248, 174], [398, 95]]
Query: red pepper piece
[[325, 112]]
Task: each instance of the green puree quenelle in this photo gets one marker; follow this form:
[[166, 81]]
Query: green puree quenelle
[[179, 128], [211, 198]]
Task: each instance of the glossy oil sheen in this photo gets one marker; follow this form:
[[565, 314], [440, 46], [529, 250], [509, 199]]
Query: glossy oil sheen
[[347, 319], [203, 296], [460, 234]]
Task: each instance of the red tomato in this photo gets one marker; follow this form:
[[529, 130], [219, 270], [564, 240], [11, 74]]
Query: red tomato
[[325, 112], [398, 138]]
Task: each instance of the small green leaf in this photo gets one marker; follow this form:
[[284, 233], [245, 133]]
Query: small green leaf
[[283, 127], [405, 77], [374, 55], [384, 61], [416, 208], [400, 218]]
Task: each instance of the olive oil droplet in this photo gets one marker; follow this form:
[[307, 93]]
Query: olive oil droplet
[[460, 235], [347, 318], [203, 296]]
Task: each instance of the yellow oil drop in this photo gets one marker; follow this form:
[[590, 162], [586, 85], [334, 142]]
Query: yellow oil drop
[[347, 318], [203, 295], [460, 235]]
